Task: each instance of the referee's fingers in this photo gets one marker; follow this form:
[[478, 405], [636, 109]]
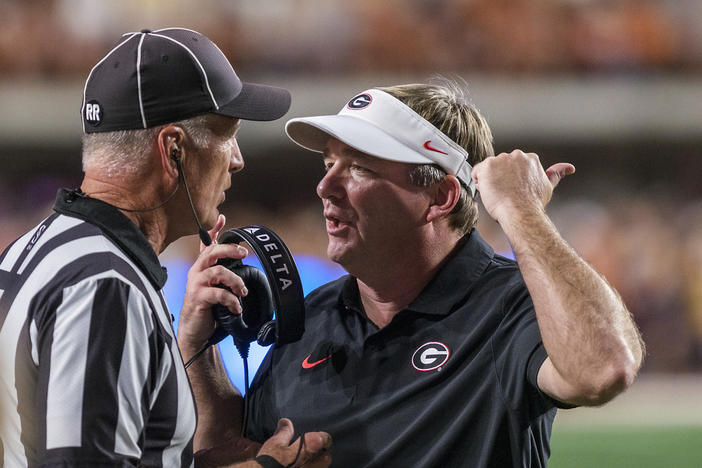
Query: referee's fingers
[[221, 276], [221, 296], [214, 232], [214, 252]]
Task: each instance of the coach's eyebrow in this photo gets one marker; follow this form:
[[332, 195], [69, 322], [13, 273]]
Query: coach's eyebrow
[[350, 152], [353, 152]]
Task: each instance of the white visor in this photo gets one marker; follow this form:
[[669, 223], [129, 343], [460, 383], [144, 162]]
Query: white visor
[[376, 123]]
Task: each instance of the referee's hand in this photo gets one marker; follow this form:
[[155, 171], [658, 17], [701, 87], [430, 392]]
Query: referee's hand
[[196, 323]]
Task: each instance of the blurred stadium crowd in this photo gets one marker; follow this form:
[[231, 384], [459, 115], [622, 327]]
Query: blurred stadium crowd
[[648, 246], [63, 37]]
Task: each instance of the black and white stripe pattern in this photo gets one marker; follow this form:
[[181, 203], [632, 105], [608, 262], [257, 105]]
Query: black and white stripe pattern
[[90, 371]]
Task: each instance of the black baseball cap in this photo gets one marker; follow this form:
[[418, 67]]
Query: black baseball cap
[[157, 77]]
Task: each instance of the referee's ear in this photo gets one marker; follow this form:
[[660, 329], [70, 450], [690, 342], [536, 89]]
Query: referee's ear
[[171, 150]]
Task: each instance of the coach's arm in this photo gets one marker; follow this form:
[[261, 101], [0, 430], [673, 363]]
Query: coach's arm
[[594, 348]]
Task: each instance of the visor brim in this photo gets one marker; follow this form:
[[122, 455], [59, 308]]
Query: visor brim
[[313, 133]]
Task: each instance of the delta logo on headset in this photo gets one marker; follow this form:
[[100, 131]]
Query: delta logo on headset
[[359, 102]]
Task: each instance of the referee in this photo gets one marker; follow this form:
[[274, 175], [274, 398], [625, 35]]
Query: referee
[[90, 371]]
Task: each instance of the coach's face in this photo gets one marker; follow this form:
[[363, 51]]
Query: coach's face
[[213, 166], [370, 206]]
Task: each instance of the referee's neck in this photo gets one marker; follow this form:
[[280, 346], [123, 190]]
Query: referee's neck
[[136, 203]]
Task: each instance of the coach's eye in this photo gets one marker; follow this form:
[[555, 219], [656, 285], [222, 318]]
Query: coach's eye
[[361, 169]]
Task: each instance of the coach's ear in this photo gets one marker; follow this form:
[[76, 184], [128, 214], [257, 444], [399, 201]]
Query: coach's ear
[[170, 149], [445, 196]]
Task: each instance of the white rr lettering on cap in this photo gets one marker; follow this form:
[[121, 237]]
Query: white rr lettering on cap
[[92, 112]]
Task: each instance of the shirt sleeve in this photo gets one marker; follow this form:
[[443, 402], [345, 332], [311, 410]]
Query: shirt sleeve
[[97, 362], [519, 351]]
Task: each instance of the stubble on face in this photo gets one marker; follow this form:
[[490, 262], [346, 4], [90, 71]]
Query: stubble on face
[[371, 208]]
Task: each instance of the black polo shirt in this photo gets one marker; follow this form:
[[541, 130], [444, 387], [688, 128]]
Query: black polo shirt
[[449, 382]]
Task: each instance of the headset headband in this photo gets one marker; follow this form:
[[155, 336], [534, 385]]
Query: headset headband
[[283, 277]]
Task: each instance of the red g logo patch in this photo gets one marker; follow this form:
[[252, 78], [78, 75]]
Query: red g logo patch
[[430, 356]]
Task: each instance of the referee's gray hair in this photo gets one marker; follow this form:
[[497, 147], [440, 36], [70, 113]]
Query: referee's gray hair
[[123, 153], [446, 105]]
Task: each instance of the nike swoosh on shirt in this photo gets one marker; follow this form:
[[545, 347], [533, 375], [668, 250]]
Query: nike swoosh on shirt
[[431, 148], [306, 364]]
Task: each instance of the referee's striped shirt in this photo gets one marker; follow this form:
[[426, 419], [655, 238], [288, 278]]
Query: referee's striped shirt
[[90, 372]]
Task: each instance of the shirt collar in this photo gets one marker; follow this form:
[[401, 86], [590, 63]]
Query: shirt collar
[[462, 267], [120, 229], [350, 297]]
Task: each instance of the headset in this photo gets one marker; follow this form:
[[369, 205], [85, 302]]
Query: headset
[[279, 290]]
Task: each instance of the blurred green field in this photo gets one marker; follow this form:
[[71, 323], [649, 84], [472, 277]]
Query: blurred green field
[[657, 423], [627, 447]]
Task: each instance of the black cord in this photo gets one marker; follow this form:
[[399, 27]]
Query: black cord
[[197, 355], [246, 376], [299, 451], [214, 339], [243, 352], [204, 236], [243, 348]]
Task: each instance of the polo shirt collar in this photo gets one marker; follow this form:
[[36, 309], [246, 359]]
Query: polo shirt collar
[[463, 267], [350, 297], [120, 229]]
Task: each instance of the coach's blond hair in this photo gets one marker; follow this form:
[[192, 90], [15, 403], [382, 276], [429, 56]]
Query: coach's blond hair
[[445, 105]]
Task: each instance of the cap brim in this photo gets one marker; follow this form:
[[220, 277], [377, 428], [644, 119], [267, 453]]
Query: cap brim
[[313, 133], [257, 102]]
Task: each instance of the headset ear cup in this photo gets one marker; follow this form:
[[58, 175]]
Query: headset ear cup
[[267, 333], [279, 274], [257, 305]]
